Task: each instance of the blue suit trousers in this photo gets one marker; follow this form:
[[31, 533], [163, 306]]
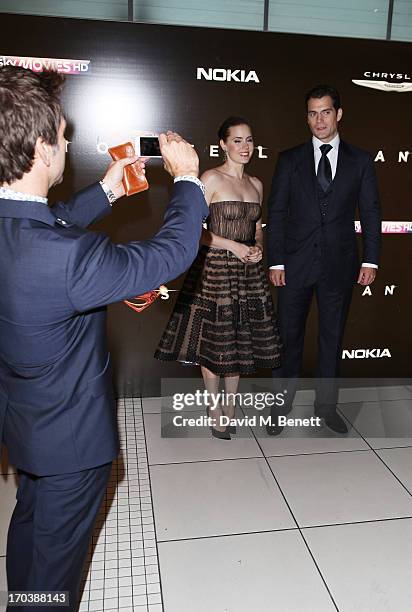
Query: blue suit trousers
[[50, 531]]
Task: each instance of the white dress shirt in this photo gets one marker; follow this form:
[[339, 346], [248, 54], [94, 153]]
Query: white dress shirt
[[10, 194], [332, 155]]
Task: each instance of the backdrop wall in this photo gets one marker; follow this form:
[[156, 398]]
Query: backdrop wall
[[127, 78]]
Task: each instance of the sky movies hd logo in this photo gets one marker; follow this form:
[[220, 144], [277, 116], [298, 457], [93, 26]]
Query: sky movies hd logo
[[38, 64]]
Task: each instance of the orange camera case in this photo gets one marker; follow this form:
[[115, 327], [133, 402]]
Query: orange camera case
[[134, 181]]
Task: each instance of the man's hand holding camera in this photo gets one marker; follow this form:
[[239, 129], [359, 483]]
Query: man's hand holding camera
[[179, 159], [114, 175]]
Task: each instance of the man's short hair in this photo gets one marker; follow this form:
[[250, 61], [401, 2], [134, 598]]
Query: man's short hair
[[320, 91], [29, 108]]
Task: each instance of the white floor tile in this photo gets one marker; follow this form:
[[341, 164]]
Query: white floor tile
[[96, 606], [220, 497], [257, 572], [352, 394], [175, 450], [155, 405], [8, 489], [339, 488], [399, 460], [367, 567], [374, 394], [306, 440], [125, 602], [111, 582], [96, 585], [110, 592], [304, 397], [111, 603], [383, 424]]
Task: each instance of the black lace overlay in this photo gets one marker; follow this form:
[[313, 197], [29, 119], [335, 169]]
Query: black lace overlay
[[224, 317]]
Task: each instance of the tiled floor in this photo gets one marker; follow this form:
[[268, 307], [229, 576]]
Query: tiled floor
[[295, 523], [124, 571]]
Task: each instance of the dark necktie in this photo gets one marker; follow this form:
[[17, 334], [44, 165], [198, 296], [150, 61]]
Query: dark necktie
[[324, 168]]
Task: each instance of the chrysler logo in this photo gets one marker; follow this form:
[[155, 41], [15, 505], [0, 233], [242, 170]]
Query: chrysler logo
[[385, 81]]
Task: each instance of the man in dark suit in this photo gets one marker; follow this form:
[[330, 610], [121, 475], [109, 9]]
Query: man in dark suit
[[312, 248], [57, 411]]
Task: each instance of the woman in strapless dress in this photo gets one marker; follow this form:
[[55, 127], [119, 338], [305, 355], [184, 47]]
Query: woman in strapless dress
[[224, 318]]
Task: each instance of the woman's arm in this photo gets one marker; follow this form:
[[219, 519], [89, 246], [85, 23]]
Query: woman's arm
[[218, 242], [259, 235], [257, 250], [241, 251]]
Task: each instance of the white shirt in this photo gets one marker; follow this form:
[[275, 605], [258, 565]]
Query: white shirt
[[10, 194], [332, 155]]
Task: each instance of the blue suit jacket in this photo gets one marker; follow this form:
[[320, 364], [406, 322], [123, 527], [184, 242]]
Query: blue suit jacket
[[57, 412], [298, 231]]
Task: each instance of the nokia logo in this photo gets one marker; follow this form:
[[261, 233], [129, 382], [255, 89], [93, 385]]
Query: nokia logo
[[385, 81], [227, 74], [375, 353]]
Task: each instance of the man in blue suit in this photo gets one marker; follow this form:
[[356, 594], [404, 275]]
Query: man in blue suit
[[312, 247], [57, 411]]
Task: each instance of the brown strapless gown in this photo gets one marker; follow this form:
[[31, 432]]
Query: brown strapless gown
[[224, 317]]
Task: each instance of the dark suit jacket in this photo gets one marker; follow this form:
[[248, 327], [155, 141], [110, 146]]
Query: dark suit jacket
[[298, 232], [56, 400]]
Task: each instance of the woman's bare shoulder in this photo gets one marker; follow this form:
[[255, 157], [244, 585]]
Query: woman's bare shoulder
[[212, 181], [256, 182], [212, 175]]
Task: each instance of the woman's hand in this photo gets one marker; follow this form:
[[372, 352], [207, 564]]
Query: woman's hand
[[241, 251], [255, 254]]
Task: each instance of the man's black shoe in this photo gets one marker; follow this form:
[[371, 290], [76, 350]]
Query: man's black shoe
[[274, 429], [334, 422]]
